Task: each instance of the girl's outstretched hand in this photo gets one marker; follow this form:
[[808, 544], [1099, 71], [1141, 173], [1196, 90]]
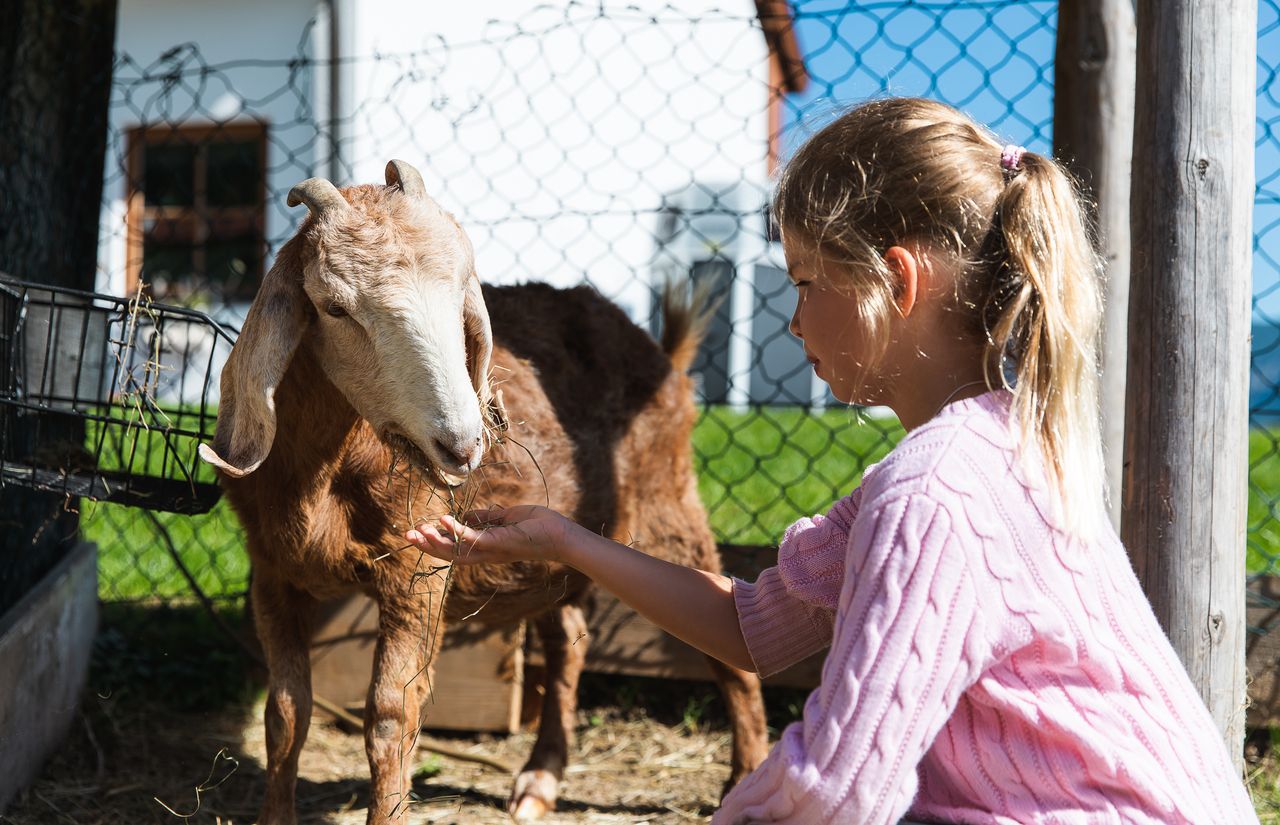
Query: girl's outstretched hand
[[691, 604], [497, 535]]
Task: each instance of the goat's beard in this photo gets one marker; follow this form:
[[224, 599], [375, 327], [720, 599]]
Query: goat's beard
[[411, 455]]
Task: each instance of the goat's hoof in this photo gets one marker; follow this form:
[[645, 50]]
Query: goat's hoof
[[534, 795]]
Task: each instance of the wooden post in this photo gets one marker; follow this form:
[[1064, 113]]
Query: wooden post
[[1093, 90], [1187, 413]]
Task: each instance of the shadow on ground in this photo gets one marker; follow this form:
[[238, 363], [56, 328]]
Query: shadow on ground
[[169, 731]]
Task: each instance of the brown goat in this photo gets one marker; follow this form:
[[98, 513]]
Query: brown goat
[[369, 343]]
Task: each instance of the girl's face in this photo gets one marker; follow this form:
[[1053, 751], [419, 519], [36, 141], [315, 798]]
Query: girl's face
[[826, 321]]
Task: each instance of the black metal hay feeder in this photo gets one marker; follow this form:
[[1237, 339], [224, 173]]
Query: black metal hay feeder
[[107, 398]]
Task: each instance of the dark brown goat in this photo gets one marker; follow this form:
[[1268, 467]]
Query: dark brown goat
[[369, 343]]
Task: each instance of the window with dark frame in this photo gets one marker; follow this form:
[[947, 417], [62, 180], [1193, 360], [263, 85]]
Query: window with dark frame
[[196, 212]]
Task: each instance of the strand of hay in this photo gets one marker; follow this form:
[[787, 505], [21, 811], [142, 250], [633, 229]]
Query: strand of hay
[[352, 722]]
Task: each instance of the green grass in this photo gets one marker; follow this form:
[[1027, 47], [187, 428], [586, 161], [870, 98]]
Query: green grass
[[1263, 554], [760, 471], [757, 473], [134, 560]]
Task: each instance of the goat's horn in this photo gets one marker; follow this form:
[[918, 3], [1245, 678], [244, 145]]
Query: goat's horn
[[404, 176], [319, 195]]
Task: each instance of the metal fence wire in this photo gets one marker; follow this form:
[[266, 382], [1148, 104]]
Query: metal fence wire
[[607, 143], [1264, 396]]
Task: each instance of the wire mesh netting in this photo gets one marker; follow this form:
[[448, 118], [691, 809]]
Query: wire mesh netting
[[608, 143], [1264, 395]]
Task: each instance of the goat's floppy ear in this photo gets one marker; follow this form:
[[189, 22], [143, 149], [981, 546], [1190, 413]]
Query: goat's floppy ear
[[479, 335], [400, 174], [258, 361]]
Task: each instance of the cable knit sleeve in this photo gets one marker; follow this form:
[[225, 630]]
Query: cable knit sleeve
[[907, 643], [788, 612]]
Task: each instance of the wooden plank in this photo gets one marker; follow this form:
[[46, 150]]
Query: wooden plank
[[621, 641], [1186, 416], [1093, 91], [479, 677]]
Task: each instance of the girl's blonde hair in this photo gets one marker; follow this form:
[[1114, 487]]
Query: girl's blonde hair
[[904, 171]]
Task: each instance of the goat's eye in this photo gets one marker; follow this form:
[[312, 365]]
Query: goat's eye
[[335, 310]]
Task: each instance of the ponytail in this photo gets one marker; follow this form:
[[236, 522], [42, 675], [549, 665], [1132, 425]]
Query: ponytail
[[1042, 316]]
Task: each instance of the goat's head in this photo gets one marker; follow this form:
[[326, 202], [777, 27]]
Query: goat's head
[[381, 284]]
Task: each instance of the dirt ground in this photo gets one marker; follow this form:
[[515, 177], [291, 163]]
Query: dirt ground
[[170, 731], [126, 762]]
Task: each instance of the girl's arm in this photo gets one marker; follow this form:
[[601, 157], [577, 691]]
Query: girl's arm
[[692, 605]]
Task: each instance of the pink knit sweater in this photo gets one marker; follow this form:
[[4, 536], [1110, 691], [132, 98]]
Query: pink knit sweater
[[985, 667]]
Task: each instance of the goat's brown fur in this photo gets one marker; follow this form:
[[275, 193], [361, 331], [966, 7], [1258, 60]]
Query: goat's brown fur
[[588, 395]]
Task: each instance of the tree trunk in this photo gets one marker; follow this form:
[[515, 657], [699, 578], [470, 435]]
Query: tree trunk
[[1093, 92], [55, 81], [1186, 418]]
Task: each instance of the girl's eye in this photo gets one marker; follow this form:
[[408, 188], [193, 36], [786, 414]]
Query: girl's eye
[[335, 310]]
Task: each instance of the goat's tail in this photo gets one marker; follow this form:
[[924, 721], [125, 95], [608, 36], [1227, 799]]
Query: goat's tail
[[686, 313]]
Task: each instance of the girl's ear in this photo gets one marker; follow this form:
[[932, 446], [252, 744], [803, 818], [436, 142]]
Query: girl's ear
[[906, 267]]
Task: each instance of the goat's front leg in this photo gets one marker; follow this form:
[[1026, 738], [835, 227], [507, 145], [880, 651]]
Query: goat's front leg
[[563, 631], [409, 635], [284, 619], [742, 696]]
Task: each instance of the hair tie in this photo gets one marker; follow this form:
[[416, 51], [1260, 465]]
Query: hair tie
[[1011, 158]]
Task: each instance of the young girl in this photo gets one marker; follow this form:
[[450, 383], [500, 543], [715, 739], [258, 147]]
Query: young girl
[[992, 656]]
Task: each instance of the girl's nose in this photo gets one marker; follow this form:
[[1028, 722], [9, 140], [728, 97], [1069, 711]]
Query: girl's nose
[[794, 326]]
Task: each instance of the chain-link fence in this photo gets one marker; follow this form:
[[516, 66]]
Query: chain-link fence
[[1264, 396], [609, 143]]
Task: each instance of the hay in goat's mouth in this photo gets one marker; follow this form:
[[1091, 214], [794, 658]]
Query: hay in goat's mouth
[[410, 453], [405, 455], [413, 457]]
